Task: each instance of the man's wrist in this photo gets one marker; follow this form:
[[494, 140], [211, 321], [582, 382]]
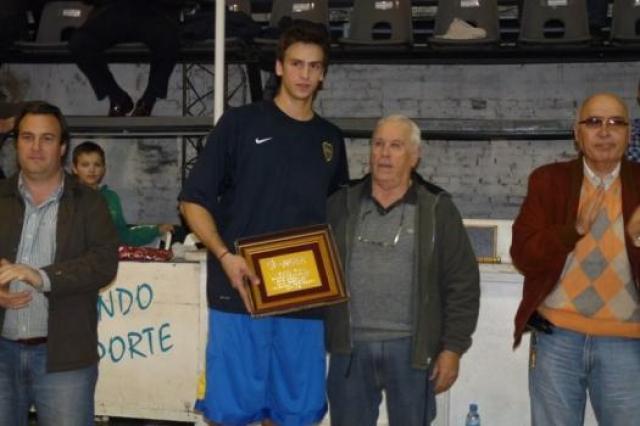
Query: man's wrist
[[43, 284]]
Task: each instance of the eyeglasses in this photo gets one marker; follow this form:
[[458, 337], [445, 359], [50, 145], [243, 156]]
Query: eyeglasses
[[613, 123], [378, 243]]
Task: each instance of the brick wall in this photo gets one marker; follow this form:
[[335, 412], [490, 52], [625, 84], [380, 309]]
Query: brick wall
[[486, 178]]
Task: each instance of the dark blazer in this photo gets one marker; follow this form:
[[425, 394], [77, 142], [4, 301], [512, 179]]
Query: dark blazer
[[86, 259], [12, 8], [544, 232]]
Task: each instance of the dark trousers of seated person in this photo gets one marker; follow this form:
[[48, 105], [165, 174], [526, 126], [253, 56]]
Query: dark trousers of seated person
[[12, 28], [122, 21], [13, 21], [597, 11]]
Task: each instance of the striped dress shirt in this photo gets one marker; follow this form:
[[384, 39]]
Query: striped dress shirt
[[37, 249]]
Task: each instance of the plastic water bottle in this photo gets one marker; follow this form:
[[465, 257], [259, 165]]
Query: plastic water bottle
[[473, 417]]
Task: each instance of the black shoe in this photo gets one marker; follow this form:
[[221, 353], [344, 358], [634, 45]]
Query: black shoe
[[120, 107], [143, 108]]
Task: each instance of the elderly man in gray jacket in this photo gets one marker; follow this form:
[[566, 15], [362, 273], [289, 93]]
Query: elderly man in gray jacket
[[414, 288]]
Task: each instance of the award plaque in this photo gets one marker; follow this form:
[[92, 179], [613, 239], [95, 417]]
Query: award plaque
[[298, 269]]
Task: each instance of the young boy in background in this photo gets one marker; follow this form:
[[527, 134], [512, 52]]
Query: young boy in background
[[89, 165]]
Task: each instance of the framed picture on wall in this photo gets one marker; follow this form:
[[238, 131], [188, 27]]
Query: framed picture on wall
[[484, 240]]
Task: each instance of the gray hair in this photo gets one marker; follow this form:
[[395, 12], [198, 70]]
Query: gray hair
[[414, 130]]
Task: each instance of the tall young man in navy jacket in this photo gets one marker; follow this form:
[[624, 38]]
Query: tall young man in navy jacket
[[266, 167]]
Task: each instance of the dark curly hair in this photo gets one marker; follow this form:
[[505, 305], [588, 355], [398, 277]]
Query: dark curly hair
[[301, 31]]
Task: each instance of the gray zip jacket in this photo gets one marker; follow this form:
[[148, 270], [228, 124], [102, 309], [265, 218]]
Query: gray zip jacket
[[448, 290]]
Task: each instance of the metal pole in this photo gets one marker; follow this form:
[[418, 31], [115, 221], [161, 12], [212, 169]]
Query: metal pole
[[218, 73]]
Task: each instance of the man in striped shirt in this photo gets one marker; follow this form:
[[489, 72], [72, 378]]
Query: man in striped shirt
[[58, 246]]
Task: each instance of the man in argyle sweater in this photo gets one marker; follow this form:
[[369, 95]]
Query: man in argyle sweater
[[576, 241]]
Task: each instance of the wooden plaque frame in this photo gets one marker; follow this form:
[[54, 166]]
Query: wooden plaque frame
[[298, 269]]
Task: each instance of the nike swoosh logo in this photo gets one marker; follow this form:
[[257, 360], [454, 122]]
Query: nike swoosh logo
[[263, 140]]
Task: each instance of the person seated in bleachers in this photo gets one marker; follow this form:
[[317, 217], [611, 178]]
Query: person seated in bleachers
[[6, 124], [89, 166], [152, 22], [13, 21], [633, 150], [597, 10], [8, 111], [6, 119]]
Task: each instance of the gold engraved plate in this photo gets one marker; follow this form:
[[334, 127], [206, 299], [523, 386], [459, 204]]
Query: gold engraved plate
[[290, 272]]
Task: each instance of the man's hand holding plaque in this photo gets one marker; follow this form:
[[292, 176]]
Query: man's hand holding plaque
[[240, 276]]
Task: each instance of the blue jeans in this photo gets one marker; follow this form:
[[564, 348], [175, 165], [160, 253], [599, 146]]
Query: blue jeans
[[565, 365], [61, 398], [355, 385]]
